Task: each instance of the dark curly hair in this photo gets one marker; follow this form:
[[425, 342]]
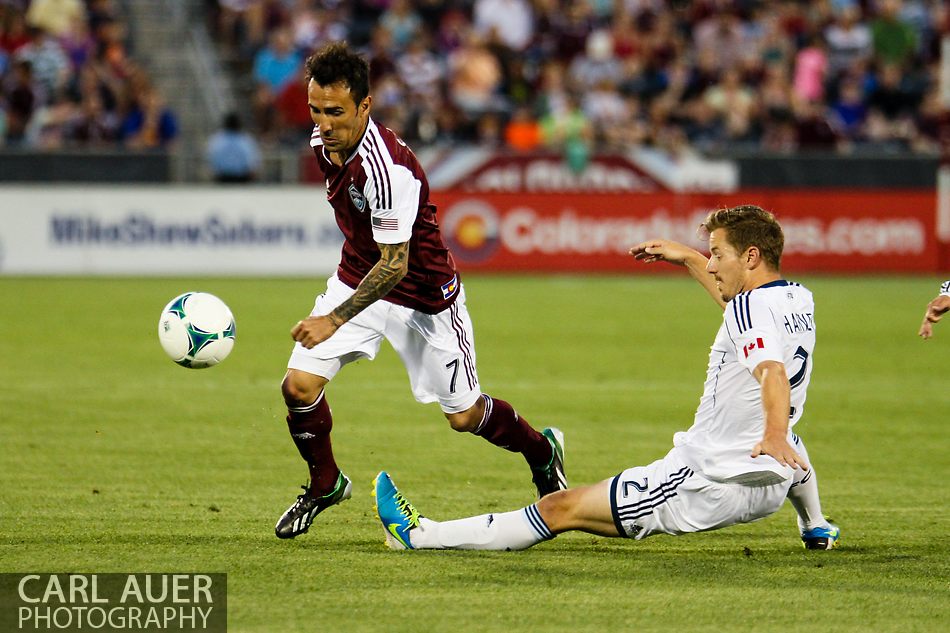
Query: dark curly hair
[[336, 63], [748, 225]]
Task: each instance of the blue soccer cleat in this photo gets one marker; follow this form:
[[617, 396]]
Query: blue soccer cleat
[[397, 515], [821, 537]]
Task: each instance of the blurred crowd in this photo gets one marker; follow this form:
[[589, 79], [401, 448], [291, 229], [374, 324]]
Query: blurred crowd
[[580, 75], [571, 75], [67, 79]]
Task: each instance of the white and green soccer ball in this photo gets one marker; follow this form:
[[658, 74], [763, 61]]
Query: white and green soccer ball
[[196, 330]]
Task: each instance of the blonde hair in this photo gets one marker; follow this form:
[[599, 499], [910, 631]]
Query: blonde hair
[[748, 225]]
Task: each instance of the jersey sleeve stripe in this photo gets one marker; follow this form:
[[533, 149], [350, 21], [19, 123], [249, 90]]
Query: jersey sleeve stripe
[[748, 313], [375, 174], [737, 313], [374, 147]]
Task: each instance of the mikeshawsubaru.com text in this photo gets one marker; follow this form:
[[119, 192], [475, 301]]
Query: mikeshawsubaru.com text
[[113, 602]]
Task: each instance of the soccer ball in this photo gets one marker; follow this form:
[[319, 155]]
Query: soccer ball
[[196, 330]]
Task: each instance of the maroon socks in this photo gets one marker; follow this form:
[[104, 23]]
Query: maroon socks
[[310, 428], [502, 426]]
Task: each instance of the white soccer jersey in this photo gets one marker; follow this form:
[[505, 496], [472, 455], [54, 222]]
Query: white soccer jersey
[[772, 322], [945, 288]]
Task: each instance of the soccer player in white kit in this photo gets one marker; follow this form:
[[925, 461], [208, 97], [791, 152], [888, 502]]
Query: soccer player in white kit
[[935, 311], [739, 460]]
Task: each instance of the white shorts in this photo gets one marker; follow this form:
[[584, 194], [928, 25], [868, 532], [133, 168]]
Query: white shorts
[[438, 350], [667, 497]]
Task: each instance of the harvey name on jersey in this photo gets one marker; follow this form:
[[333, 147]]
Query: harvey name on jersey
[[772, 322]]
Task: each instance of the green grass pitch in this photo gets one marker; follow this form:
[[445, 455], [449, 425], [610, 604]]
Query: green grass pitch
[[114, 459]]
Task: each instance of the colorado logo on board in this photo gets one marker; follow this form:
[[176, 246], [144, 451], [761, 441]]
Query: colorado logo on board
[[471, 229]]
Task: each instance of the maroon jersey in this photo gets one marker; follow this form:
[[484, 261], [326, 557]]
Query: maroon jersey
[[381, 196]]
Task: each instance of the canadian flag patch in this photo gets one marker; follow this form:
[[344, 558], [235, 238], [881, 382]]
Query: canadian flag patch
[[754, 345]]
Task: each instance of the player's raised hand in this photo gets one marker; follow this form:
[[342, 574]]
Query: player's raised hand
[[652, 251], [781, 451], [313, 330], [935, 311]]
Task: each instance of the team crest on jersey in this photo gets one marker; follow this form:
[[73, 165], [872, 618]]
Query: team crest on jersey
[[359, 201]]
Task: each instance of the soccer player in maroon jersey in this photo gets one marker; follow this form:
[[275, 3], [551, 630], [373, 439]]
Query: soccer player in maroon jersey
[[396, 280]]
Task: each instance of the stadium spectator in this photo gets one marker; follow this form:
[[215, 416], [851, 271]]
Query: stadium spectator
[[292, 115], [650, 42], [51, 68], [80, 83], [91, 125], [811, 67], [420, 71], [402, 22], [383, 289], [721, 36], [935, 311], [275, 66], [650, 45], [849, 112], [739, 461], [147, 122], [475, 75], [523, 134], [568, 131], [49, 124], [56, 17], [314, 25], [596, 64], [813, 131], [78, 43], [232, 154], [13, 29], [849, 40], [733, 103], [894, 40], [21, 100], [506, 22], [242, 23]]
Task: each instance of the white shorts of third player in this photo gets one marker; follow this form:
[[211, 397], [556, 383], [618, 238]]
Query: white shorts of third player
[[667, 497], [438, 350]]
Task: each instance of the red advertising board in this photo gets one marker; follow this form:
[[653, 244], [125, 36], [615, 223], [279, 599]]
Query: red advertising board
[[825, 231]]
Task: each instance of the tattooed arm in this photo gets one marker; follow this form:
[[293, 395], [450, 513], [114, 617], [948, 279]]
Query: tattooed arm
[[392, 266]]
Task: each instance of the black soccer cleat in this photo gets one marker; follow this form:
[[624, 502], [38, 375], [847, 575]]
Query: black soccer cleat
[[551, 478], [298, 517]]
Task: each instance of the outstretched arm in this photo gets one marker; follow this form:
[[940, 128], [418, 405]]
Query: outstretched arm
[[392, 266], [675, 253], [935, 311]]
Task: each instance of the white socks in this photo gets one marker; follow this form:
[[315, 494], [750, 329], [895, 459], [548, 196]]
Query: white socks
[[804, 494], [506, 531]]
